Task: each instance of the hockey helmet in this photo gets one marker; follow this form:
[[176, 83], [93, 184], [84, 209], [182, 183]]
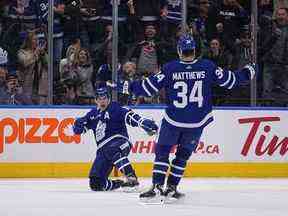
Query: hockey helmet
[[185, 42], [102, 92]]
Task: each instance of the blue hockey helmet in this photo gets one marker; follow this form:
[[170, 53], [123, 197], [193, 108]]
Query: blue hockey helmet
[[102, 92], [185, 42]]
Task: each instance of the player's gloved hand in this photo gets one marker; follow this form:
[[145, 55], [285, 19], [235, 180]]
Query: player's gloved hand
[[149, 126], [80, 125], [252, 68]]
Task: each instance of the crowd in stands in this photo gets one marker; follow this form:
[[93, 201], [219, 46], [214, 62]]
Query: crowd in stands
[[148, 32]]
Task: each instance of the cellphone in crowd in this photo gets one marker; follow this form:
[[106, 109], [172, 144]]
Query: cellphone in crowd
[[41, 43]]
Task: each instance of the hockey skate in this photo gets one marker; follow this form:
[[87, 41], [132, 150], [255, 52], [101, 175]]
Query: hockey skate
[[130, 185], [172, 195], [116, 184], [154, 195]]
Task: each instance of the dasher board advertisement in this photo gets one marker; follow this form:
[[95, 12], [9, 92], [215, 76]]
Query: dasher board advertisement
[[45, 135]]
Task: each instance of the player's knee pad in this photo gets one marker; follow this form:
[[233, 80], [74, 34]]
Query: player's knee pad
[[183, 153], [96, 184]]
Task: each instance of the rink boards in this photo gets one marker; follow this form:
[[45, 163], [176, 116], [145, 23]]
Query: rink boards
[[39, 142]]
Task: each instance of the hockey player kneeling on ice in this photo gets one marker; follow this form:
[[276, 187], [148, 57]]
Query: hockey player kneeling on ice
[[188, 85], [108, 122]]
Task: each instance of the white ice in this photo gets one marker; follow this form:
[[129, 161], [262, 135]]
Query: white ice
[[204, 197]]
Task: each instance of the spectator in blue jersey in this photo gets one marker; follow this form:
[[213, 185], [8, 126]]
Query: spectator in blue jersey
[[108, 122], [42, 12], [188, 85], [171, 17]]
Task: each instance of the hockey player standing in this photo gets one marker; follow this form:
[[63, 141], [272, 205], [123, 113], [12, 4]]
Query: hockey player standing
[[108, 122], [188, 83]]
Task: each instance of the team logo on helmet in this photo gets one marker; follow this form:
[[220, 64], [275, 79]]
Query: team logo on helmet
[[102, 92], [186, 42]]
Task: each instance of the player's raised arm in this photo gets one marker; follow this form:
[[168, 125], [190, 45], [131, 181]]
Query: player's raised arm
[[146, 87], [149, 86], [231, 79], [82, 124]]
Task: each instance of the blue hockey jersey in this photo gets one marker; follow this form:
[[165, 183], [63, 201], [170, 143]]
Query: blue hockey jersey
[[174, 8], [110, 124], [188, 87], [42, 13]]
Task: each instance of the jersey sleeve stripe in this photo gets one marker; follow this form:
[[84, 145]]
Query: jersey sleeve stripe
[[251, 70], [228, 80], [233, 82], [145, 89], [126, 116], [152, 86]]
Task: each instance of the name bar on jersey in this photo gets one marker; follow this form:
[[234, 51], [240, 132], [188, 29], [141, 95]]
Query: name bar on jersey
[[188, 75]]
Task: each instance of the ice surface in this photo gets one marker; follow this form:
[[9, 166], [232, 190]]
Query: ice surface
[[204, 197]]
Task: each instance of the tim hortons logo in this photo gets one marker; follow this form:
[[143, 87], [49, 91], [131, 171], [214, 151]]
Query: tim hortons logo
[[26, 131], [263, 145]]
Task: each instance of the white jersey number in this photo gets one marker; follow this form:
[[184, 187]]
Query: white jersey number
[[195, 96]]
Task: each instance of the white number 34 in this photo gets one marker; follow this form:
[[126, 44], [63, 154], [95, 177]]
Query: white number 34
[[195, 96]]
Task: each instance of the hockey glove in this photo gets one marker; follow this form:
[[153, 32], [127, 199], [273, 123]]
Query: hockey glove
[[80, 126], [149, 126]]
